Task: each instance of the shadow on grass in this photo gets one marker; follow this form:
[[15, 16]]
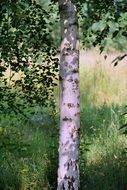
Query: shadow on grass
[[108, 174]]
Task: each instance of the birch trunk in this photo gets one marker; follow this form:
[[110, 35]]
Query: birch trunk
[[68, 171]]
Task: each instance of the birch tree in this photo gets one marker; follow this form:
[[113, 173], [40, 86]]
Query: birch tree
[[68, 171]]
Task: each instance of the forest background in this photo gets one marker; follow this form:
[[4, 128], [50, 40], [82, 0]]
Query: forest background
[[29, 121]]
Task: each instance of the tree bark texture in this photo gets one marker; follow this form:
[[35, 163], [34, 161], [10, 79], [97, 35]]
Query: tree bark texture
[[68, 171]]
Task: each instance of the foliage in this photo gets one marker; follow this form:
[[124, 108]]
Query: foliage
[[103, 21], [27, 50]]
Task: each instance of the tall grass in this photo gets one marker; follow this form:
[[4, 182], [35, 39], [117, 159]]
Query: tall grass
[[103, 97], [103, 164]]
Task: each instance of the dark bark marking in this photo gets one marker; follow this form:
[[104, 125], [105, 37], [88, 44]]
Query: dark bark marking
[[73, 179], [71, 105], [71, 163], [75, 22], [76, 168], [65, 52], [63, 188], [78, 105], [78, 131], [67, 119], [68, 165], [70, 185], [76, 114], [65, 177], [76, 81], [66, 64], [70, 67], [70, 79], [75, 71], [60, 78]]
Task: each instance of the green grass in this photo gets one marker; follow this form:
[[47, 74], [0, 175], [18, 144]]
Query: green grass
[[104, 164], [29, 154], [32, 162]]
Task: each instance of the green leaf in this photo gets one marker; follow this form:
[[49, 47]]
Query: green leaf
[[113, 26], [98, 26]]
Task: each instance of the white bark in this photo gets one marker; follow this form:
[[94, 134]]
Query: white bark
[[68, 172]]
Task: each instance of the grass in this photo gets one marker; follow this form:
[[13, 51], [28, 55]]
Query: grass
[[103, 96], [103, 164]]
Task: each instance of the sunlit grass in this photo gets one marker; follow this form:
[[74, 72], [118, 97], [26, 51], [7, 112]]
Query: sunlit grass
[[103, 97], [100, 81]]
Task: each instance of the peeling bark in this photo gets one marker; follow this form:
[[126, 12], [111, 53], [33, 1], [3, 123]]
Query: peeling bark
[[68, 172]]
